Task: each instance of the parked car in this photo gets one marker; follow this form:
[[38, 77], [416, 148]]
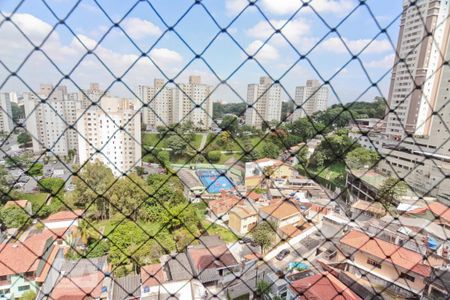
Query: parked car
[[282, 254], [245, 240]]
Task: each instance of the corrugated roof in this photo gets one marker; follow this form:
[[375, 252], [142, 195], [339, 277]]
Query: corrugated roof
[[127, 287]]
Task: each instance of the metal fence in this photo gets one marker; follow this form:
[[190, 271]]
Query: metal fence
[[125, 190]]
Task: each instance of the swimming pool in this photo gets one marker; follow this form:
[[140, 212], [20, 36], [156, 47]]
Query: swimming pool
[[213, 181]]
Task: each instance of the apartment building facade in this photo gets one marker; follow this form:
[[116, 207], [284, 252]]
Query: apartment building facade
[[184, 102], [111, 133], [6, 122], [309, 99], [50, 119], [265, 103], [417, 146]]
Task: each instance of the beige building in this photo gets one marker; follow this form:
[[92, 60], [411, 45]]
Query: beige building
[[424, 160], [111, 133], [51, 122], [242, 219], [183, 102], [6, 122], [309, 99], [265, 101], [385, 264]]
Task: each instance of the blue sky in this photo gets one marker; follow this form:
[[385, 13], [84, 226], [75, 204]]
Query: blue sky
[[147, 25]]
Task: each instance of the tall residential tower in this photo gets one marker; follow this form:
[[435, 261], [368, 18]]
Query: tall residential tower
[[311, 98], [417, 129], [183, 102], [265, 101]]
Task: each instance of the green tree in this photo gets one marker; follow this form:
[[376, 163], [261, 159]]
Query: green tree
[[230, 123], [390, 190], [214, 156], [332, 149], [362, 158], [93, 181], [263, 234], [305, 129], [22, 161], [270, 150], [35, 170], [14, 216], [28, 295], [127, 194], [177, 144], [51, 185], [23, 139], [302, 156], [18, 112], [262, 289]]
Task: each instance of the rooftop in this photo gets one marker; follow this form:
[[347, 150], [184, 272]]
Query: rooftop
[[20, 203], [22, 256], [244, 211], [127, 287], [396, 255], [153, 275], [65, 215], [280, 210], [372, 207], [204, 258], [322, 286]]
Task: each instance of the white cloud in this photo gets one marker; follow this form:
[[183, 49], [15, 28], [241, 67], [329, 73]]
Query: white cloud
[[138, 28], [294, 30], [386, 62], [66, 55], [336, 45], [267, 52], [283, 7], [234, 7], [165, 56]]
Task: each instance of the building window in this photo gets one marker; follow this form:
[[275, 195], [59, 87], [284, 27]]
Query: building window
[[3, 278], [407, 276], [374, 263], [23, 288]]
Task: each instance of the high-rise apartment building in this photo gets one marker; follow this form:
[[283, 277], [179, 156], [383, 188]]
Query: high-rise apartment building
[[310, 98], [417, 146], [91, 95], [111, 133], [183, 103], [50, 119], [265, 101], [6, 122], [417, 72], [159, 99]]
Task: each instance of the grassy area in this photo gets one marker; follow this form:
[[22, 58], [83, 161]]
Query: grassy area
[[334, 173], [35, 198], [225, 234]]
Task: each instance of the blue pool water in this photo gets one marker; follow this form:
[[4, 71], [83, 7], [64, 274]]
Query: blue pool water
[[214, 182]]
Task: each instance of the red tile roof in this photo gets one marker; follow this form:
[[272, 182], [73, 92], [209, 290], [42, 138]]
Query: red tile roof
[[20, 203], [440, 210], [254, 196], [79, 287], [280, 210], [223, 204], [65, 215], [320, 209], [153, 275], [394, 254], [21, 257], [323, 286], [211, 257]]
